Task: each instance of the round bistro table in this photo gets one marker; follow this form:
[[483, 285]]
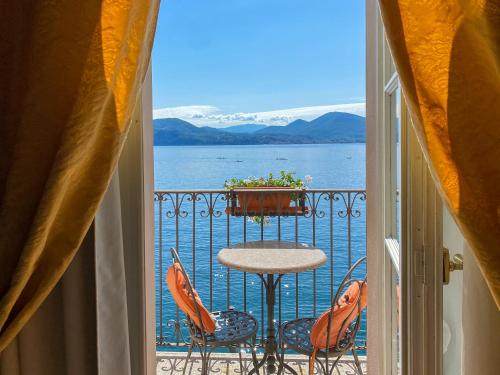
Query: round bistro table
[[267, 259]]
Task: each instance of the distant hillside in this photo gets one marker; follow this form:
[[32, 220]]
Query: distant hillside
[[244, 128], [333, 127], [174, 131], [294, 128]]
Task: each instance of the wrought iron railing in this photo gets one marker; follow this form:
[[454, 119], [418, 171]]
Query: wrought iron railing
[[199, 223]]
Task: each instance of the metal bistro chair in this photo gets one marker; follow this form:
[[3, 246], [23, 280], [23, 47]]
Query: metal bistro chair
[[333, 334], [231, 329]]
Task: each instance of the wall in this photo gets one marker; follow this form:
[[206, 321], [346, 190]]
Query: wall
[[452, 301], [481, 323], [470, 313]]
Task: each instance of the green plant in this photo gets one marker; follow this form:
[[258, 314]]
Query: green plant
[[285, 179]]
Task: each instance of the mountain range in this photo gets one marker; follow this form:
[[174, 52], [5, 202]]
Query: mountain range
[[244, 128], [332, 127]]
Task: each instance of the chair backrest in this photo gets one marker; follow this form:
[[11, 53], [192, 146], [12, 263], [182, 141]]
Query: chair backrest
[[187, 299], [329, 330]]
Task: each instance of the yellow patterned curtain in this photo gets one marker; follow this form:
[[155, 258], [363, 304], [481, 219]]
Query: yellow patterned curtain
[[447, 54], [70, 73]]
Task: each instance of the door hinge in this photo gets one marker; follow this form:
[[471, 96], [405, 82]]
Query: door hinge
[[419, 264]]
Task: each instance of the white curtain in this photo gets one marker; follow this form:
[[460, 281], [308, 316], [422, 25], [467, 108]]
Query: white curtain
[[61, 337], [113, 344], [83, 326]]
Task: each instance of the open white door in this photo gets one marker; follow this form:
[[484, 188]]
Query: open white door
[[405, 230]]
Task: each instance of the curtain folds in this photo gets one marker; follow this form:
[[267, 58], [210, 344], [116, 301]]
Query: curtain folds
[[112, 315], [85, 318], [70, 72], [64, 324], [447, 54]]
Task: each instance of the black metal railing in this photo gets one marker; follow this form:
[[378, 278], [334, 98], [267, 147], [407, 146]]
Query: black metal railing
[[199, 223]]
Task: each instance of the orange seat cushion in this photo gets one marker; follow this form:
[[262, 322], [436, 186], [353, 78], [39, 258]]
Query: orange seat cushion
[[346, 310], [177, 284]]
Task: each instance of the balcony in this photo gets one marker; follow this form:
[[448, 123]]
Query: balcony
[[199, 223]]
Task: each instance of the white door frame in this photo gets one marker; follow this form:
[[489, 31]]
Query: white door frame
[[138, 224], [377, 362], [148, 321]]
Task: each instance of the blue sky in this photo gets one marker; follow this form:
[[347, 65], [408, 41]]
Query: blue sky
[[220, 62]]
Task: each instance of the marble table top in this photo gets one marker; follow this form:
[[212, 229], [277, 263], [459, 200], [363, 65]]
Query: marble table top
[[272, 257]]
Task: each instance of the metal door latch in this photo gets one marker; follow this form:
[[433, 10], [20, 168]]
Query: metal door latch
[[455, 264]]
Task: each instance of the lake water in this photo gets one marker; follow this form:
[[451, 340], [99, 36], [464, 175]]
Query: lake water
[[335, 166], [338, 166]]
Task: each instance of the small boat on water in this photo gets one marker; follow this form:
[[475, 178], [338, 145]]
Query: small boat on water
[[239, 161], [281, 159]]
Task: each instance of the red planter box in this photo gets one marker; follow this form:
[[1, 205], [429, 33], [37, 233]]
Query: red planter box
[[268, 202]]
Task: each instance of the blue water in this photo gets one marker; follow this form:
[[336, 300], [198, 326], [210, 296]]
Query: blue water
[[335, 166], [338, 166]]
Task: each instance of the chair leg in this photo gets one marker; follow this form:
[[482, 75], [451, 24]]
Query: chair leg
[[334, 364], [281, 362], [356, 362], [254, 355], [188, 357], [281, 356], [204, 361], [241, 360], [209, 353], [322, 368], [320, 365]]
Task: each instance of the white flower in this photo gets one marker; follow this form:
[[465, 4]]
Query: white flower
[[308, 179]]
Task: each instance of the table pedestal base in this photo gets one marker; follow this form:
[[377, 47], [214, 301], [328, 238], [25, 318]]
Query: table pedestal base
[[271, 353]]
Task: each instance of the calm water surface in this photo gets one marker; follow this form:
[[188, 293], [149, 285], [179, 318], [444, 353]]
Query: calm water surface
[[338, 166]]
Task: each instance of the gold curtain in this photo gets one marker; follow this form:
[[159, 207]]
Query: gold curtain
[[447, 54], [70, 73]]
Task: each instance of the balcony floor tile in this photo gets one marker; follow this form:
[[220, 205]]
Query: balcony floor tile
[[172, 363]]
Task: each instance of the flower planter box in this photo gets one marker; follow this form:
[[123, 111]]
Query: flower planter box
[[266, 202]]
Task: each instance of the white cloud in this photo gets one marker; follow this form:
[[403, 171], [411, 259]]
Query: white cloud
[[203, 115], [186, 112]]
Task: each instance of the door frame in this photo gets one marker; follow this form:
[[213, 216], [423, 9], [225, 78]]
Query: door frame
[[377, 349], [138, 195]]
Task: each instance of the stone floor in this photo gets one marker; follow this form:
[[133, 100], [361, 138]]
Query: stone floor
[[171, 363]]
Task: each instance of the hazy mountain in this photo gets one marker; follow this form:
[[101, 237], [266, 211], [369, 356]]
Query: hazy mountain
[[293, 128], [333, 127], [174, 131], [244, 128]]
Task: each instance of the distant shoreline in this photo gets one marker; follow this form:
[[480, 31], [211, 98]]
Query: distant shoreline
[[263, 144], [330, 128]]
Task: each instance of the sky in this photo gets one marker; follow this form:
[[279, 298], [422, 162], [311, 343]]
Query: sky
[[226, 62]]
